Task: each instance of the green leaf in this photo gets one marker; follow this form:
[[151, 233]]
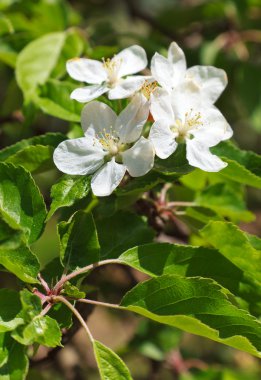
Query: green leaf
[[35, 159], [109, 364], [10, 308], [121, 231], [21, 261], [31, 305], [36, 62], [235, 245], [16, 362], [78, 241], [20, 208], [42, 330], [243, 166], [73, 47], [226, 200], [72, 291], [7, 55], [157, 259], [10, 238], [198, 306], [67, 191], [3, 349], [49, 139], [54, 99], [174, 164]]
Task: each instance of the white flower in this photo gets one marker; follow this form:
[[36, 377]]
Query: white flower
[[111, 145], [172, 71], [183, 116], [107, 76]]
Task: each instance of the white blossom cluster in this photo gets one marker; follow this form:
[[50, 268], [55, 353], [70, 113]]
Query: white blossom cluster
[[180, 102]]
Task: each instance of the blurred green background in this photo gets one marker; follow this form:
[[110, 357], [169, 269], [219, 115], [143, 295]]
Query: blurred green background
[[226, 34]]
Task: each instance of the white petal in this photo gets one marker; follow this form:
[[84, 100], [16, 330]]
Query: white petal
[[78, 156], [107, 178], [133, 59], [215, 128], [131, 120], [162, 70], [177, 57], [161, 105], [85, 94], [198, 155], [184, 98], [211, 80], [97, 118], [86, 70], [139, 159], [126, 87], [162, 138]]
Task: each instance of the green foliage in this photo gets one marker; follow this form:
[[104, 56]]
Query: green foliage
[[109, 364], [36, 62], [20, 209], [183, 260], [15, 365], [78, 241], [198, 306], [10, 307], [120, 232], [206, 279], [235, 245], [67, 191]]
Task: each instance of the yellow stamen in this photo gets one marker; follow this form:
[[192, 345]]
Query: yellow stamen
[[148, 88]]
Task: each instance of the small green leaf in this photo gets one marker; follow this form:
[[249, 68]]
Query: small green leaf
[[54, 99], [10, 310], [67, 191], [121, 231], [235, 245], [36, 62], [198, 306], [109, 364], [15, 366], [31, 305], [72, 291], [78, 241], [42, 330], [20, 208]]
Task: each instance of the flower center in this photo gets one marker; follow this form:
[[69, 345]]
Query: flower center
[[112, 67], [183, 128], [148, 88], [109, 141]]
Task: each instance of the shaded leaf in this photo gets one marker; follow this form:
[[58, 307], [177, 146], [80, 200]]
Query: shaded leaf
[[235, 245], [10, 308], [157, 259], [121, 231], [16, 363], [78, 241]]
